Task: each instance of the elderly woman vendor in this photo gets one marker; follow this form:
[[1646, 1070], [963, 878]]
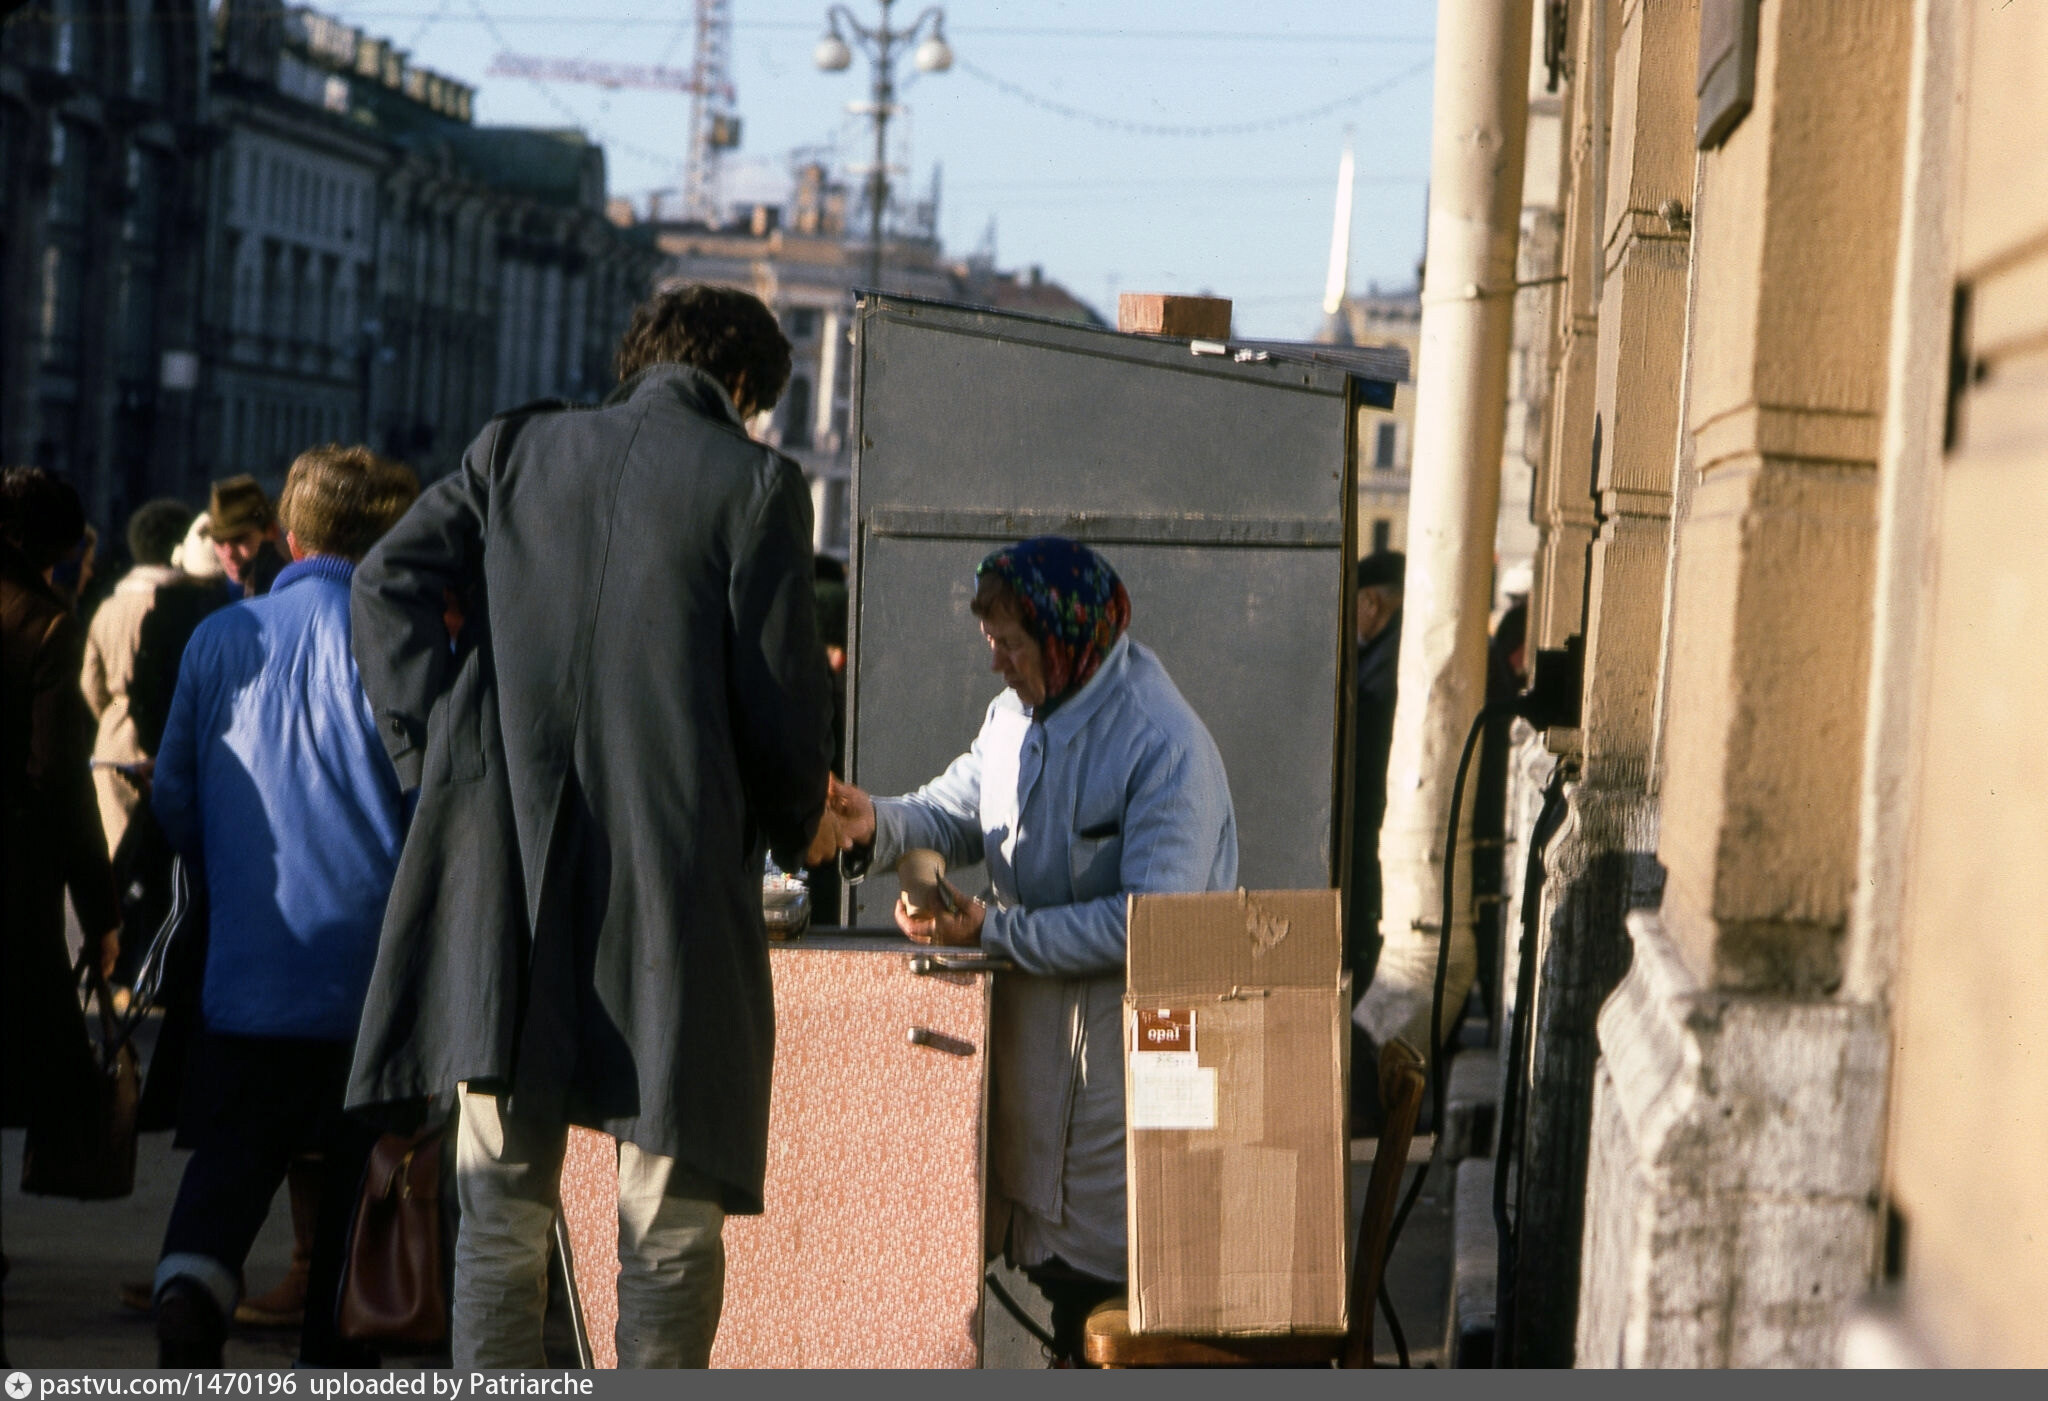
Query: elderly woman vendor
[[1091, 779]]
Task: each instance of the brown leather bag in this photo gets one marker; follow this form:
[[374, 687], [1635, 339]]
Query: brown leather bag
[[392, 1291]]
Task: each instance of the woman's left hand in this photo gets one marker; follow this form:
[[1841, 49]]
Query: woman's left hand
[[962, 925]]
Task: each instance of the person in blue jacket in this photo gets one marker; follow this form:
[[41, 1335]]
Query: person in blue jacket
[[1092, 779], [272, 779]]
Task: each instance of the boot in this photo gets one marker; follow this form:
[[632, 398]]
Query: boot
[[285, 1305], [189, 1329]]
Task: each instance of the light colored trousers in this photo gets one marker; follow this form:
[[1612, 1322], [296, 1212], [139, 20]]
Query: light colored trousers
[[671, 1246]]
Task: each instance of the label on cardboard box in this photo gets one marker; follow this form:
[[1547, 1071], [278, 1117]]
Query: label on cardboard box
[[1170, 1091], [1164, 1030]]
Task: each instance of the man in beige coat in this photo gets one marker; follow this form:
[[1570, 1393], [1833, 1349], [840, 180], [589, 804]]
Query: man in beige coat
[[111, 649]]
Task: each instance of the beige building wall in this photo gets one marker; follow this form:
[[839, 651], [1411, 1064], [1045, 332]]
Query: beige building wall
[[1969, 1124], [1729, 1215], [1792, 498]]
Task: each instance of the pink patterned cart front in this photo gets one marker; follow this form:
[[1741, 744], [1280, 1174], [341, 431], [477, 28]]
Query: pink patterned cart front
[[870, 1251]]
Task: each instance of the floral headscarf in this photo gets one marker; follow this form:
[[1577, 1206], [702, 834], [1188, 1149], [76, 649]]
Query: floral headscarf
[[1074, 606]]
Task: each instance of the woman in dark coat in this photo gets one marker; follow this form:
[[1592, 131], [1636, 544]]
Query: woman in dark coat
[[52, 840]]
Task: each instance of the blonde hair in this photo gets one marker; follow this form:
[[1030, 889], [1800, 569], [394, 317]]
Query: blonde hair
[[338, 500]]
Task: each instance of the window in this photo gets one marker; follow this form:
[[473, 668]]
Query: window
[[145, 197], [145, 52], [1382, 535], [1383, 446], [137, 323], [273, 314], [72, 50], [63, 251], [796, 414], [802, 323]]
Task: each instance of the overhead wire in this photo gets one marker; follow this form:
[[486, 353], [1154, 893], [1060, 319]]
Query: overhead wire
[[1317, 183], [969, 30], [440, 12], [563, 109], [1109, 122], [571, 19]]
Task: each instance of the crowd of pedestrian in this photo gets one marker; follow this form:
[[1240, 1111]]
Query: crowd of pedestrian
[[423, 870]]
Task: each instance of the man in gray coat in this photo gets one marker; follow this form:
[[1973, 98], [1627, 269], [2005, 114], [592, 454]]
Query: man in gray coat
[[633, 706]]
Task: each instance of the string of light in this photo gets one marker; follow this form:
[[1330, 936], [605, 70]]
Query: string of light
[[1138, 128]]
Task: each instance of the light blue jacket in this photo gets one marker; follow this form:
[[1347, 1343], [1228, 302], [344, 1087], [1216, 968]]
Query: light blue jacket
[[1119, 791], [272, 776]]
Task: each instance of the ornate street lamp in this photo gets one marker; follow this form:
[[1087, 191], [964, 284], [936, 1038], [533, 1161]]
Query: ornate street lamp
[[882, 45]]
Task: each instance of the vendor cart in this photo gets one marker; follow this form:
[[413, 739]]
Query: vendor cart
[[1219, 479], [869, 1253]]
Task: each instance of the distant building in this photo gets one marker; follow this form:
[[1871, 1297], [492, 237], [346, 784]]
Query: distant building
[[802, 260], [224, 238], [102, 110], [292, 243], [1386, 441], [1388, 450], [399, 274]]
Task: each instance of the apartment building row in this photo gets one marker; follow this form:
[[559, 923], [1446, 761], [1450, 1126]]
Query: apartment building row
[[226, 236]]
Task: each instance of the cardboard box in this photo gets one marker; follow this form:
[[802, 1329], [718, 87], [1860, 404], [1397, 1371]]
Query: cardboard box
[[1167, 314], [1237, 1055]]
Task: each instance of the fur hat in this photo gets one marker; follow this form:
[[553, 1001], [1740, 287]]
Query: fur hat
[[196, 556]]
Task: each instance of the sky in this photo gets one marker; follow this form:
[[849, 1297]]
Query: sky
[[1028, 129]]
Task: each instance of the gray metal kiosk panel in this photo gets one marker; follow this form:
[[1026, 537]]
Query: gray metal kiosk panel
[[1221, 493], [962, 408]]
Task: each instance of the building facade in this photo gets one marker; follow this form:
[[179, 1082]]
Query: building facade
[[103, 124], [226, 237], [1784, 1087], [399, 274], [293, 246]]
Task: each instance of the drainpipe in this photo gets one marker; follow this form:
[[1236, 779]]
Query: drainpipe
[[1468, 309]]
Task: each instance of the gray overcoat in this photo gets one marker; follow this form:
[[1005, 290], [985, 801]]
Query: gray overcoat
[[635, 706]]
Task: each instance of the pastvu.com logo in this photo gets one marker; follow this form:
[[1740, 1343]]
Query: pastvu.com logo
[[18, 1385]]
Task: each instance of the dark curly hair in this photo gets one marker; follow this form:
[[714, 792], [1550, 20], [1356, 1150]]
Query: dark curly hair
[[722, 331], [157, 528], [40, 515]]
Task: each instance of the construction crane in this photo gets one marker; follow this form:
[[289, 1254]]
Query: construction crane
[[714, 124]]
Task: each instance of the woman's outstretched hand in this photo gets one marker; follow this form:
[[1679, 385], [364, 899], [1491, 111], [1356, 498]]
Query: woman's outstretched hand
[[959, 925], [853, 811]]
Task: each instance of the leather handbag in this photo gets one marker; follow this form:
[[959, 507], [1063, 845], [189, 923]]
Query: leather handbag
[[88, 1150], [392, 1291]]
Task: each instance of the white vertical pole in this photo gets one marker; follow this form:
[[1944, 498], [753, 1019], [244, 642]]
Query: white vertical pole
[[1468, 307]]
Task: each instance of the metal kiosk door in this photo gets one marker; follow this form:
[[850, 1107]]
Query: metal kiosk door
[[1218, 480]]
